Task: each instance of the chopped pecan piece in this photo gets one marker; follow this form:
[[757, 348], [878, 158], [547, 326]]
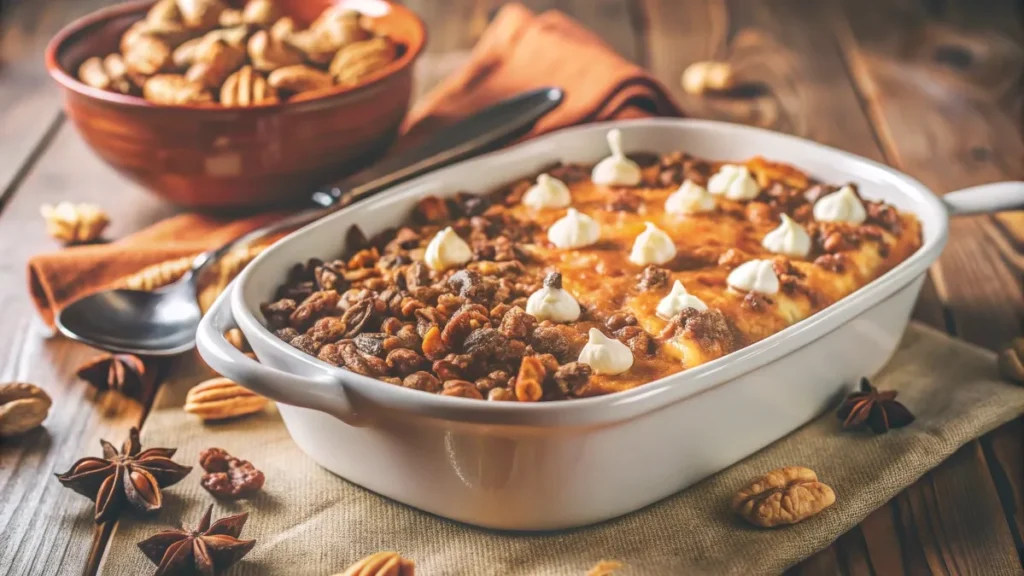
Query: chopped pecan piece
[[831, 262], [516, 323], [563, 342], [653, 278], [423, 381], [227, 476], [277, 313], [461, 388], [404, 362], [571, 378], [318, 304], [530, 380]]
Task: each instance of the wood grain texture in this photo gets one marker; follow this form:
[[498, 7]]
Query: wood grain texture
[[45, 528], [942, 84], [29, 104]]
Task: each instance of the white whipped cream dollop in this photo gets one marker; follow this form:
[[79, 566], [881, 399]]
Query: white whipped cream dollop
[[552, 302], [690, 198], [574, 230], [548, 192], [446, 250], [734, 182], [841, 206], [606, 355], [652, 246], [754, 276], [616, 170], [677, 301], [789, 239]]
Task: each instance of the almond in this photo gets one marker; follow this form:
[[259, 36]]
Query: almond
[[299, 78], [220, 398]]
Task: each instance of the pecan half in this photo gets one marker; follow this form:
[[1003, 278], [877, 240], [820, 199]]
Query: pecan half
[[220, 398], [784, 496]]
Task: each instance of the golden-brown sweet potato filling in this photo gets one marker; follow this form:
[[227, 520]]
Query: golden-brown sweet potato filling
[[383, 312]]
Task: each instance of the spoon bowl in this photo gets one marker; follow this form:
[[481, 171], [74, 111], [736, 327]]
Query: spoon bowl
[[158, 323]]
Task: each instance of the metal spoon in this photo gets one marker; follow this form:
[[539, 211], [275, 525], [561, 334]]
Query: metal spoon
[[163, 322]]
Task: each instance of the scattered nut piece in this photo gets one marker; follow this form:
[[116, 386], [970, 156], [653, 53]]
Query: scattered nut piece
[[268, 54], [701, 77], [74, 223], [282, 29], [299, 78], [201, 14], [237, 339], [220, 398], [247, 88], [229, 477], [164, 12], [147, 56], [175, 89], [22, 408], [315, 48], [1011, 362], [381, 564], [92, 73], [214, 62], [784, 496], [605, 568], [157, 275], [230, 17], [358, 60], [339, 27], [260, 12], [117, 71]]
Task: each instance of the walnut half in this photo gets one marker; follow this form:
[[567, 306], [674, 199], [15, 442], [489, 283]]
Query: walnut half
[[784, 496], [74, 223]]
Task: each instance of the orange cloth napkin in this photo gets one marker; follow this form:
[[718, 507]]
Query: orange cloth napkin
[[519, 51]]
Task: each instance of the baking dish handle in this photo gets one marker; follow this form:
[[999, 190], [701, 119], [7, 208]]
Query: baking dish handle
[[322, 393], [995, 197]]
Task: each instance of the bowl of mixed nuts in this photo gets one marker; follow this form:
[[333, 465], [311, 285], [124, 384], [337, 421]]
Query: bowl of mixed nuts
[[220, 104]]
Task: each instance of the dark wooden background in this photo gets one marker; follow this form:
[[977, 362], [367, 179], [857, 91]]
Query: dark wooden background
[[933, 87]]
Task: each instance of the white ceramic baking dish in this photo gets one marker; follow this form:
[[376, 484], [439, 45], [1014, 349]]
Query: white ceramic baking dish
[[561, 464]]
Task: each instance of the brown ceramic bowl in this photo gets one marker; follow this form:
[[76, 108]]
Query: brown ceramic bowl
[[215, 158]]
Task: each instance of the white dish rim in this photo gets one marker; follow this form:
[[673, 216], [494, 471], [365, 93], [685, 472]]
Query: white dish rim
[[657, 394]]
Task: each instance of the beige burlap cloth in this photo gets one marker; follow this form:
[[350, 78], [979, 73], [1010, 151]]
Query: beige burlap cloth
[[308, 521]]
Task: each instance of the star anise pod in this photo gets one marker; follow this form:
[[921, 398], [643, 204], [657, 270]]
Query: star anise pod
[[206, 551], [125, 373], [874, 409], [129, 477]]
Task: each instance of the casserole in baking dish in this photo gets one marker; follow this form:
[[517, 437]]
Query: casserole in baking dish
[[547, 465], [567, 285]]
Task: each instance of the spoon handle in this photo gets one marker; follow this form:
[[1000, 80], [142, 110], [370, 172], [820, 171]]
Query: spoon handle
[[483, 131]]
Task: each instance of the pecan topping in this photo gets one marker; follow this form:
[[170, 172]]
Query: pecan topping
[[227, 476], [131, 477], [208, 549], [784, 496], [653, 278], [874, 409]]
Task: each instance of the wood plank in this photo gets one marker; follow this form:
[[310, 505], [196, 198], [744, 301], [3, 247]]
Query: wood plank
[[798, 84], [44, 528], [29, 104], [942, 81]]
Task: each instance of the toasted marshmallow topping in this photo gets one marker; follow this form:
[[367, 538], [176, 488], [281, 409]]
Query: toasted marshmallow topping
[[754, 276], [789, 239], [690, 198], [841, 206], [548, 192], [677, 301], [734, 182], [652, 246], [616, 170], [606, 355], [446, 250], [574, 230], [552, 302]]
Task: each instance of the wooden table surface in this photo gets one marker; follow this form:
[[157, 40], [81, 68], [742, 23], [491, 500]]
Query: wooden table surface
[[933, 87]]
